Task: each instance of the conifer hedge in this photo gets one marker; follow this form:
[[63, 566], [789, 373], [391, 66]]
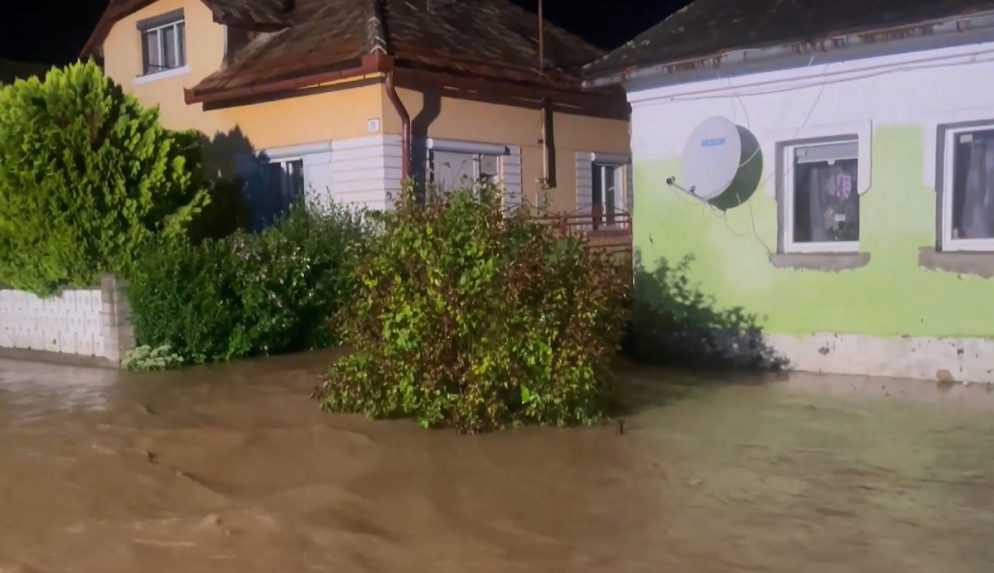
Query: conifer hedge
[[87, 176]]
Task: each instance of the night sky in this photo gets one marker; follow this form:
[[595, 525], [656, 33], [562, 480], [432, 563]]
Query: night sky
[[53, 31]]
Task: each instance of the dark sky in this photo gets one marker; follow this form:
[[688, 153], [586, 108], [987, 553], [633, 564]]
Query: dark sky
[[52, 31]]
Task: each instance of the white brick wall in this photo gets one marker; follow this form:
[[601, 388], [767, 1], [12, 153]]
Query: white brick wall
[[70, 323], [91, 322]]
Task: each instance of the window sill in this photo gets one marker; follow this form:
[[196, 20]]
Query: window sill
[[173, 73], [826, 262], [980, 264]]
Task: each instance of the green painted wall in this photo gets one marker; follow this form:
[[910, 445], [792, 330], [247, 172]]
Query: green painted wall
[[892, 296]]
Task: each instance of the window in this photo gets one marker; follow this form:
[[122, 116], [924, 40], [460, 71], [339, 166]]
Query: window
[[607, 194], [163, 43], [967, 202], [820, 210], [452, 170], [288, 180]]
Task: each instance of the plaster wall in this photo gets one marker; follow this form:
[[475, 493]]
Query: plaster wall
[[893, 308]]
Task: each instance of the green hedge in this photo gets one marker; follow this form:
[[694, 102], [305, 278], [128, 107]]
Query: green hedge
[[248, 294], [469, 317], [87, 176]]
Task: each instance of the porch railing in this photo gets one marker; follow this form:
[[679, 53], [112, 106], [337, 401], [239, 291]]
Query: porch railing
[[603, 231]]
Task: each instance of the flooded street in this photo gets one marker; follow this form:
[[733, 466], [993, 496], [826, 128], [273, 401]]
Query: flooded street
[[234, 469]]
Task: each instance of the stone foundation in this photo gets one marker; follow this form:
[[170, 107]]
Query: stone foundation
[[941, 359]]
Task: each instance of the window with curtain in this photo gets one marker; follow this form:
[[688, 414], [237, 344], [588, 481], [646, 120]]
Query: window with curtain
[[968, 196], [821, 198]]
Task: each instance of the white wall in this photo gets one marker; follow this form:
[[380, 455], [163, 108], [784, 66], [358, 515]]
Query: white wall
[[923, 90], [88, 322], [926, 88], [69, 323], [365, 171]]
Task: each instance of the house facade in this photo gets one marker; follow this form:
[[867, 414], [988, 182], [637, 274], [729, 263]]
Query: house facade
[[344, 99], [830, 168]]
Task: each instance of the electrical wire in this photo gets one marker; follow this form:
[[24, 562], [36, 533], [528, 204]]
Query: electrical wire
[[850, 76]]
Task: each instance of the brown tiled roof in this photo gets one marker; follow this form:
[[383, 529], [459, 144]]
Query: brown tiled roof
[[254, 15], [708, 28], [483, 38]]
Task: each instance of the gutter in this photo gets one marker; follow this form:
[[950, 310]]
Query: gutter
[[933, 29]]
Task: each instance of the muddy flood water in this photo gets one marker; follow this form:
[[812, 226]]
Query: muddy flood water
[[234, 469]]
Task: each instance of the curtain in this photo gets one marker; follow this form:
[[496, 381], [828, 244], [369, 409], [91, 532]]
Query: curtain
[[973, 201], [827, 205]]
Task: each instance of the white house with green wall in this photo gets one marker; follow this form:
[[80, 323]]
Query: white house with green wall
[[856, 217]]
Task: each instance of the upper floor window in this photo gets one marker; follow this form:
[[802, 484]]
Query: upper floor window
[[967, 203], [163, 43], [820, 211]]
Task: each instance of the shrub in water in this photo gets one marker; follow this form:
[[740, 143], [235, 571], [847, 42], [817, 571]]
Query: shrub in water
[[248, 294], [469, 317], [293, 277], [148, 359], [87, 175], [184, 296]]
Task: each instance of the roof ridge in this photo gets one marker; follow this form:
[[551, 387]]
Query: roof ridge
[[376, 32]]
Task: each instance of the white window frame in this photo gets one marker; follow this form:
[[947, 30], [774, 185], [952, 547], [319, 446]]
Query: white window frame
[[621, 166], [182, 66], [787, 223], [946, 240]]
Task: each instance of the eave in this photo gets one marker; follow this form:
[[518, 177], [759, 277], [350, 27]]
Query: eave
[[607, 103], [936, 31]]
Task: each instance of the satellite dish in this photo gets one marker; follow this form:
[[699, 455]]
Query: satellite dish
[[712, 158]]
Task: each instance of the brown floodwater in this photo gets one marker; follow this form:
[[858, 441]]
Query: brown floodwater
[[233, 468]]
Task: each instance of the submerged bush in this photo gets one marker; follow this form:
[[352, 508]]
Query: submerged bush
[[248, 294], [87, 176], [469, 317], [674, 323], [148, 359]]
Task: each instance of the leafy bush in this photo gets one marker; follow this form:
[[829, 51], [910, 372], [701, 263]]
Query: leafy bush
[[469, 317], [148, 359], [248, 294], [87, 176], [675, 323]]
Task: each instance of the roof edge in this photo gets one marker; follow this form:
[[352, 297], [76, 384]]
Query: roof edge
[[837, 42], [117, 11], [369, 64]]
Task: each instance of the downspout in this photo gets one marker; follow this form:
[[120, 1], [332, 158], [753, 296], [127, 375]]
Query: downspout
[[405, 120], [378, 50], [548, 117]]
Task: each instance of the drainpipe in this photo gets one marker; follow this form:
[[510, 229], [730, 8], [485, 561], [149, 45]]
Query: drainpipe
[[548, 118], [405, 119]]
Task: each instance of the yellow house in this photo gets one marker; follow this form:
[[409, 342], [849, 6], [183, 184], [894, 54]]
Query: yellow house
[[345, 99]]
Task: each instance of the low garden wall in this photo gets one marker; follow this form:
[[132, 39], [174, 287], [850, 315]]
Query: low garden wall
[[88, 323]]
